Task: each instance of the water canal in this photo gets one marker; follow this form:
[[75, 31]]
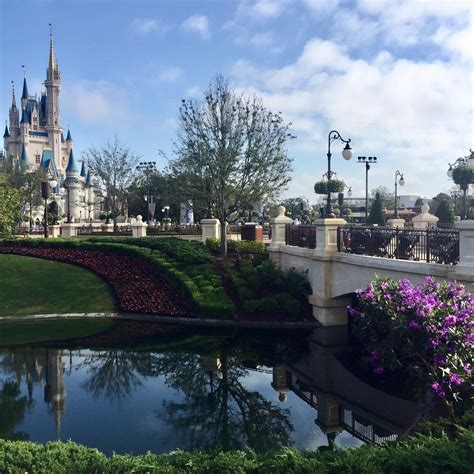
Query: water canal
[[189, 391]]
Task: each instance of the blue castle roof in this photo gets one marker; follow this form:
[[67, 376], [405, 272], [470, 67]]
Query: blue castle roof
[[25, 90], [84, 172], [68, 137], [46, 158], [6, 133], [72, 165]]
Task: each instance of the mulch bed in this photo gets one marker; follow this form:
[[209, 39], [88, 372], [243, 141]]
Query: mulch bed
[[137, 287]]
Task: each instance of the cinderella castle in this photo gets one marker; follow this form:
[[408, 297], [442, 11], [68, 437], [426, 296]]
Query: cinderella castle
[[37, 141]]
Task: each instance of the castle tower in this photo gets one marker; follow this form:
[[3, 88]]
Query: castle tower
[[53, 125], [73, 186]]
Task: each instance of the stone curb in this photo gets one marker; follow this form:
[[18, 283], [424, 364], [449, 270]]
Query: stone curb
[[163, 319]]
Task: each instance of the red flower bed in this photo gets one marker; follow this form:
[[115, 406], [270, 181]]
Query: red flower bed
[[137, 287]]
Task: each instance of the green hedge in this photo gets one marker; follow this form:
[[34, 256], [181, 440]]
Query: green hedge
[[242, 247], [196, 282], [419, 454]]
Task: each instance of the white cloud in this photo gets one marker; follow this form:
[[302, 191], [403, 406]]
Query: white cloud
[[412, 114], [321, 6], [169, 74], [261, 9], [197, 24], [194, 92], [145, 26], [97, 103]]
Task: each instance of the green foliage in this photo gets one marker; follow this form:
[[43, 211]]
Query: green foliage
[[376, 212], [262, 288], [9, 207], [464, 176], [423, 453], [214, 245], [336, 186], [245, 247], [445, 212]]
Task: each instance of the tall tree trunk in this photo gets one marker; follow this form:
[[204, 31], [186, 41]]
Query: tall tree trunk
[[223, 236]]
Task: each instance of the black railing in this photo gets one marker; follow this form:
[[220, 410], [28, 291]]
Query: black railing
[[191, 229], [301, 235], [434, 244]]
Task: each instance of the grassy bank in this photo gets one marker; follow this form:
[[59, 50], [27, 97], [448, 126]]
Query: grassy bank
[[34, 286]]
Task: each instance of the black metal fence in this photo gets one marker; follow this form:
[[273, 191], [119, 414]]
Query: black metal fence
[[301, 235], [434, 244], [191, 229]]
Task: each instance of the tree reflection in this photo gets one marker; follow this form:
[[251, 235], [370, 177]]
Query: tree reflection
[[12, 410], [115, 374], [218, 411]]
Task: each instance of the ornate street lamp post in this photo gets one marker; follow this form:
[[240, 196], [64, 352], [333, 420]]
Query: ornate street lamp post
[[346, 154], [148, 167], [461, 171], [401, 182], [367, 161]]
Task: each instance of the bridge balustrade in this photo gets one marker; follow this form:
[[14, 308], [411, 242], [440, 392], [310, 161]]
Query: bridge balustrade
[[301, 235], [435, 245]]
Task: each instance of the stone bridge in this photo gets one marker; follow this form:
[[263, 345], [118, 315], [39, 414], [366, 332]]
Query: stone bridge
[[334, 275]]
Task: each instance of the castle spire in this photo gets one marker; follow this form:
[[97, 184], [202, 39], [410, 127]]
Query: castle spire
[[24, 156], [13, 96], [52, 63], [25, 89], [7, 133]]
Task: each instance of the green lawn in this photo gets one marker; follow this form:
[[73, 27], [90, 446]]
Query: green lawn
[[36, 286]]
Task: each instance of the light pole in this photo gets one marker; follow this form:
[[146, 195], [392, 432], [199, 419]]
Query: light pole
[[466, 162], [455, 194], [367, 161], [401, 182], [346, 154], [45, 193], [147, 167]]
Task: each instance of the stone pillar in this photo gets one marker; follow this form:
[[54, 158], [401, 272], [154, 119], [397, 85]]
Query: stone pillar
[[466, 248], [425, 219], [326, 236], [139, 227], [329, 413], [210, 229], [394, 223], [278, 224], [54, 231], [68, 230], [108, 227], [327, 310]]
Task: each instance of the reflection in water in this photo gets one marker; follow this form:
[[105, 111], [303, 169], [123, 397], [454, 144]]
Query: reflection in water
[[215, 400], [220, 411]]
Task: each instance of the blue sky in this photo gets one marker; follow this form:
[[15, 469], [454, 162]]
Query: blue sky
[[395, 76]]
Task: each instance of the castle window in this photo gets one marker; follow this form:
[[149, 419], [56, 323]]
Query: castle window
[[37, 159], [64, 161]]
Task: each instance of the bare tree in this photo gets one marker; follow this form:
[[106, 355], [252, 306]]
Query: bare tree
[[115, 166], [230, 153]]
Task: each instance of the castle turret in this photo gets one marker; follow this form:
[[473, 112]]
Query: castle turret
[[73, 187], [84, 173], [6, 133], [24, 156]]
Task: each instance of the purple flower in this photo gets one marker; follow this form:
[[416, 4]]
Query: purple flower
[[435, 386], [413, 325], [378, 371], [455, 379]]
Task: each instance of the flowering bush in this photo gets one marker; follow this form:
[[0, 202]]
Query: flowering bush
[[424, 332]]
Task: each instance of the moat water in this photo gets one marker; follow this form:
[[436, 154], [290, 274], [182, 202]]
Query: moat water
[[239, 390]]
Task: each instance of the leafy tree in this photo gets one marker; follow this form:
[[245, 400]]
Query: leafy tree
[[387, 196], [114, 165], [376, 212], [419, 202], [437, 200], [445, 212], [10, 200], [230, 153]]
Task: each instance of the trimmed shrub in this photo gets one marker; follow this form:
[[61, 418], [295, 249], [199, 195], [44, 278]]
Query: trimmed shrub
[[262, 305], [214, 245]]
